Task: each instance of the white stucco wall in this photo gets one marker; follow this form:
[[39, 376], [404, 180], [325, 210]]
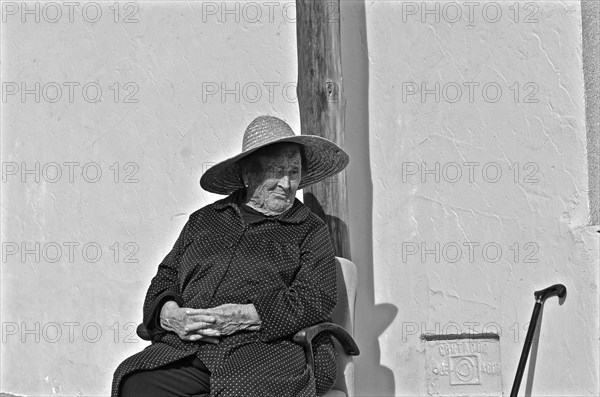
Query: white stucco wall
[[163, 141], [537, 208]]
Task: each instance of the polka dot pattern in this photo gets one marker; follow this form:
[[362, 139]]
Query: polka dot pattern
[[284, 265]]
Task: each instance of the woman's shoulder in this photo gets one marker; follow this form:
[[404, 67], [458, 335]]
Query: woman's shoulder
[[309, 215], [203, 211], [315, 220]]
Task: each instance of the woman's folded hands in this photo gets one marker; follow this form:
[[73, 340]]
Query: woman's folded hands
[[207, 325]]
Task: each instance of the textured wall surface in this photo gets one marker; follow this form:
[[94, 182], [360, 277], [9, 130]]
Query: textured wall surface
[[150, 148], [477, 148], [444, 243], [590, 24]]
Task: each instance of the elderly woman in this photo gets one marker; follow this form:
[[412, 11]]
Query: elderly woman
[[246, 273]]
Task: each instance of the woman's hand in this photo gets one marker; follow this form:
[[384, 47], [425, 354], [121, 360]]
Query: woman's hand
[[182, 321], [223, 320]]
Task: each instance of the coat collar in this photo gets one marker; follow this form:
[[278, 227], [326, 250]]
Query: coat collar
[[296, 214]]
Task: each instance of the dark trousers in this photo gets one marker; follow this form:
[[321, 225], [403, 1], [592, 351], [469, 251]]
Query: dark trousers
[[184, 378]]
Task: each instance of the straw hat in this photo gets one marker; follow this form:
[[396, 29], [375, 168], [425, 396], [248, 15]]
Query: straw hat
[[324, 158]]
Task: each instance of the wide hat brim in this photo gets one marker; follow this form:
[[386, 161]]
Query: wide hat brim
[[324, 159]]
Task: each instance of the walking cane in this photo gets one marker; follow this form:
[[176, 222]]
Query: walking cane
[[540, 298]]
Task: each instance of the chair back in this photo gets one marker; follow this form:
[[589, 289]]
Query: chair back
[[343, 315]]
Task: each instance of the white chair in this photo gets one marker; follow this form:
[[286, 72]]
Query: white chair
[[341, 329]]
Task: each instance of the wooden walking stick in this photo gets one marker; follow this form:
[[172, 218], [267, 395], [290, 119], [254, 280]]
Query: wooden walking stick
[[540, 298]]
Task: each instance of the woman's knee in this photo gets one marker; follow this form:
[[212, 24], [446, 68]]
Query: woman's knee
[[186, 377], [135, 385]]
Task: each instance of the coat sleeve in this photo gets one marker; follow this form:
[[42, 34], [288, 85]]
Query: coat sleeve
[[309, 299], [165, 285]]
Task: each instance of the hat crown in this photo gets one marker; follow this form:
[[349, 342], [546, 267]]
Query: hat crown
[[323, 157], [265, 129]]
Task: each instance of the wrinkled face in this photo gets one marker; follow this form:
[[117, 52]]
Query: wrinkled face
[[274, 178]]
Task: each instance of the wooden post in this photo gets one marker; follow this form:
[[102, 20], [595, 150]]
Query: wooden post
[[322, 106]]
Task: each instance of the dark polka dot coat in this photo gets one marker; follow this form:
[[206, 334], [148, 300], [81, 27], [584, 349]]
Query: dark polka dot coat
[[284, 265]]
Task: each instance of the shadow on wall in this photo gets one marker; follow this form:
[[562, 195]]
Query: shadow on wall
[[372, 378]]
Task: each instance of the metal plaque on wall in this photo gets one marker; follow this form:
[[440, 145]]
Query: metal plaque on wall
[[463, 365]]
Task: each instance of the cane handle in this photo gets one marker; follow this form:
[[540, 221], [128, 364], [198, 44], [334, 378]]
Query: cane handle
[[556, 289]]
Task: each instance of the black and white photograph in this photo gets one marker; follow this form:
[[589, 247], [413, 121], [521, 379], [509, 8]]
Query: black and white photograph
[[300, 198]]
